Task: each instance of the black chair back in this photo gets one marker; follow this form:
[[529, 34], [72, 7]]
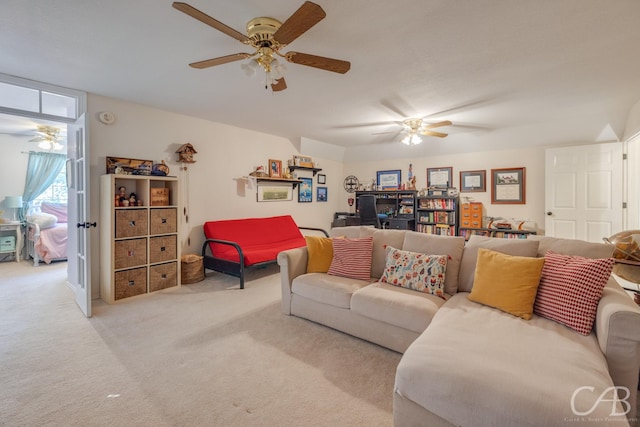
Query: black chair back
[[367, 210]]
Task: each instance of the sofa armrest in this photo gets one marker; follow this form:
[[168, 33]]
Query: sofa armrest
[[617, 327], [293, 263]]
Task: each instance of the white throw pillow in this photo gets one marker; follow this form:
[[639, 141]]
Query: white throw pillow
[[44, 220]]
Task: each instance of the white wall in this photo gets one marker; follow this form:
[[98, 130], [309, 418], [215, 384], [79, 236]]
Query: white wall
[[14, 167], [530, 158], [224, 154]]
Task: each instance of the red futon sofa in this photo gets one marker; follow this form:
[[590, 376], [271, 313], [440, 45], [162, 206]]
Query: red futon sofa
[[233, 245]]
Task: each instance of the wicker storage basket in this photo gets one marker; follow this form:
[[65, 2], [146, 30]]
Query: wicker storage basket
[[130, 253], [131, 282], [192, 269], [131, 223], [163, 276], [162, 248], [163, 221]]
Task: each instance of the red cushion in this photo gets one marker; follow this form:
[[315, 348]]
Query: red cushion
[[261, 239], [570, 289]]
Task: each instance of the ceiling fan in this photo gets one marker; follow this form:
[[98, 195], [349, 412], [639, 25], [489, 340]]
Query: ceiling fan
[[48, 138], [413, 128], [267, 36]]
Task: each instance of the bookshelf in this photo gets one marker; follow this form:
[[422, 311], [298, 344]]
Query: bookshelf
[[437, 215], [495, 232]]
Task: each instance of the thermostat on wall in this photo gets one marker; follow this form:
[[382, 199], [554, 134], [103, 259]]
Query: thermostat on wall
[[107, 118]]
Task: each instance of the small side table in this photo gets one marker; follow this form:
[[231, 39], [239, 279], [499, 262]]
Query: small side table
[[17, 229]]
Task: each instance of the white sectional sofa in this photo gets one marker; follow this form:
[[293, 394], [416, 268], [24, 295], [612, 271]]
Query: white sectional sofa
[[466, 363]]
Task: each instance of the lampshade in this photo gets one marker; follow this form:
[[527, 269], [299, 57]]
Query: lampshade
[[13, 202]]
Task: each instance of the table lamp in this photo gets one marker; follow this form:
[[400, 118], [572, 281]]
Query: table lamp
[[13, 202]]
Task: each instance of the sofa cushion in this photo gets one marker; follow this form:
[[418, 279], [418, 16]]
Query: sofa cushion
[[572, 247], [570, 289], [518, 247], [477, 366], [416, 271], [439, 245], [331, 290], [506, 282], [397, 306], [382, 239], [319, 254], [352, 258]]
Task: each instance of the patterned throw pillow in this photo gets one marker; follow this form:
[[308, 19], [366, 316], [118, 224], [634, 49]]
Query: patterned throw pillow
[[413, 270], [352, 258], [570, 289]]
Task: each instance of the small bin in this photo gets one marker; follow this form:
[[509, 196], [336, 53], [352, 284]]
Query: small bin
[[163, 221], [192, 269], [7, 243], [163, 276]]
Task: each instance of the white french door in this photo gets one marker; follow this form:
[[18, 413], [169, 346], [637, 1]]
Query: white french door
[[79, 242], [583, 191]]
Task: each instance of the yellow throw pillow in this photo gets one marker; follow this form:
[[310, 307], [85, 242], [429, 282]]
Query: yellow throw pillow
[[506, 282], [319, 254]]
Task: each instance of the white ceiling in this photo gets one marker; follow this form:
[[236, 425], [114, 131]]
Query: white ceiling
[[507, 73]]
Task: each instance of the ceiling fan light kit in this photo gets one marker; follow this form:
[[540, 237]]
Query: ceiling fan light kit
[[268, 36], [48, 138]]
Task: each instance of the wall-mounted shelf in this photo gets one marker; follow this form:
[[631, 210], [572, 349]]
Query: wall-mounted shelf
[[304, 168], [295, 182]]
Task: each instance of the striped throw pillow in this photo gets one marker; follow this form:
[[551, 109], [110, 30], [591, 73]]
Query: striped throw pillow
[[570, 289], [352, 258]]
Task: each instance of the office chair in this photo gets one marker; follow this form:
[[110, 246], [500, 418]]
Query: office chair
[[368, 212]]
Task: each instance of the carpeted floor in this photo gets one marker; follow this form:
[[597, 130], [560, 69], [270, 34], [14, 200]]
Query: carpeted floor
[[206, 354]]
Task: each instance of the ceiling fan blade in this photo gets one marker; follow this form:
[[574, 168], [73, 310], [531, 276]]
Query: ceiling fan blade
[[385, 133], [432, 133], [308, 15], [279, 85], [219, 61], [329, 64], [206, 19], [437, 125]]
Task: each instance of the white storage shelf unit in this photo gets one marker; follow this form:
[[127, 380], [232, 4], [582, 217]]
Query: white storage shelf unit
[[139, 245]]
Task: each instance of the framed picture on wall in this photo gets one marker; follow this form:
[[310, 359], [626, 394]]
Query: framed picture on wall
[[440, 177], [473, 181], [275, 192], [305, 190], [508, 186], [322, 178], [321, 194], [389, 180]]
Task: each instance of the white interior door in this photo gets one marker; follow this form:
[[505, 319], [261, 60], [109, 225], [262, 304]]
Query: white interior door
[[79, 247], [583, 191]]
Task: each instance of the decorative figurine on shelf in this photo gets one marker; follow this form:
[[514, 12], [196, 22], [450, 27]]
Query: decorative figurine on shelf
[[160, 169], [122, 196], [133, 199]]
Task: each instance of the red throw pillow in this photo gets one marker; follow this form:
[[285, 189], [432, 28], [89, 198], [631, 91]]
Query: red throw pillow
[[570, 289], [352, 258]]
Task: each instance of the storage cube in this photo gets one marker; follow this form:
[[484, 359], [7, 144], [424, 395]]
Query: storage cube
[[163, 276], [131, 223], [162, 248], [130, 282], [163, 221], [130, 253]]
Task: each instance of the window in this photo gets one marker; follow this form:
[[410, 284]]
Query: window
[[56, 193]]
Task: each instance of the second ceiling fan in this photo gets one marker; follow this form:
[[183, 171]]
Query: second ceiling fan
[[267, 36]]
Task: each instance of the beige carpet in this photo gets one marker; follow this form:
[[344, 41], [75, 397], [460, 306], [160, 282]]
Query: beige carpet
[[207, 354]]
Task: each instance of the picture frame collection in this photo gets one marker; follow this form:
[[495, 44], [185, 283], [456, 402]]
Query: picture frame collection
[[508, 185], [280, 184]]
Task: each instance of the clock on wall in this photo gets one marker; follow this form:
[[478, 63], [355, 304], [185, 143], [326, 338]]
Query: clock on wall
[[351, 184]]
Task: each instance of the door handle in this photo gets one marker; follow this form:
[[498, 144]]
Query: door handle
[[549, 213], [86, 224]]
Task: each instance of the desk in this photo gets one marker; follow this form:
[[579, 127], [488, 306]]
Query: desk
[[17, 229]]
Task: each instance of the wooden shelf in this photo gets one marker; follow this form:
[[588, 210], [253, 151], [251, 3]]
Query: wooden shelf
[[295, 182], [304, 168]]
